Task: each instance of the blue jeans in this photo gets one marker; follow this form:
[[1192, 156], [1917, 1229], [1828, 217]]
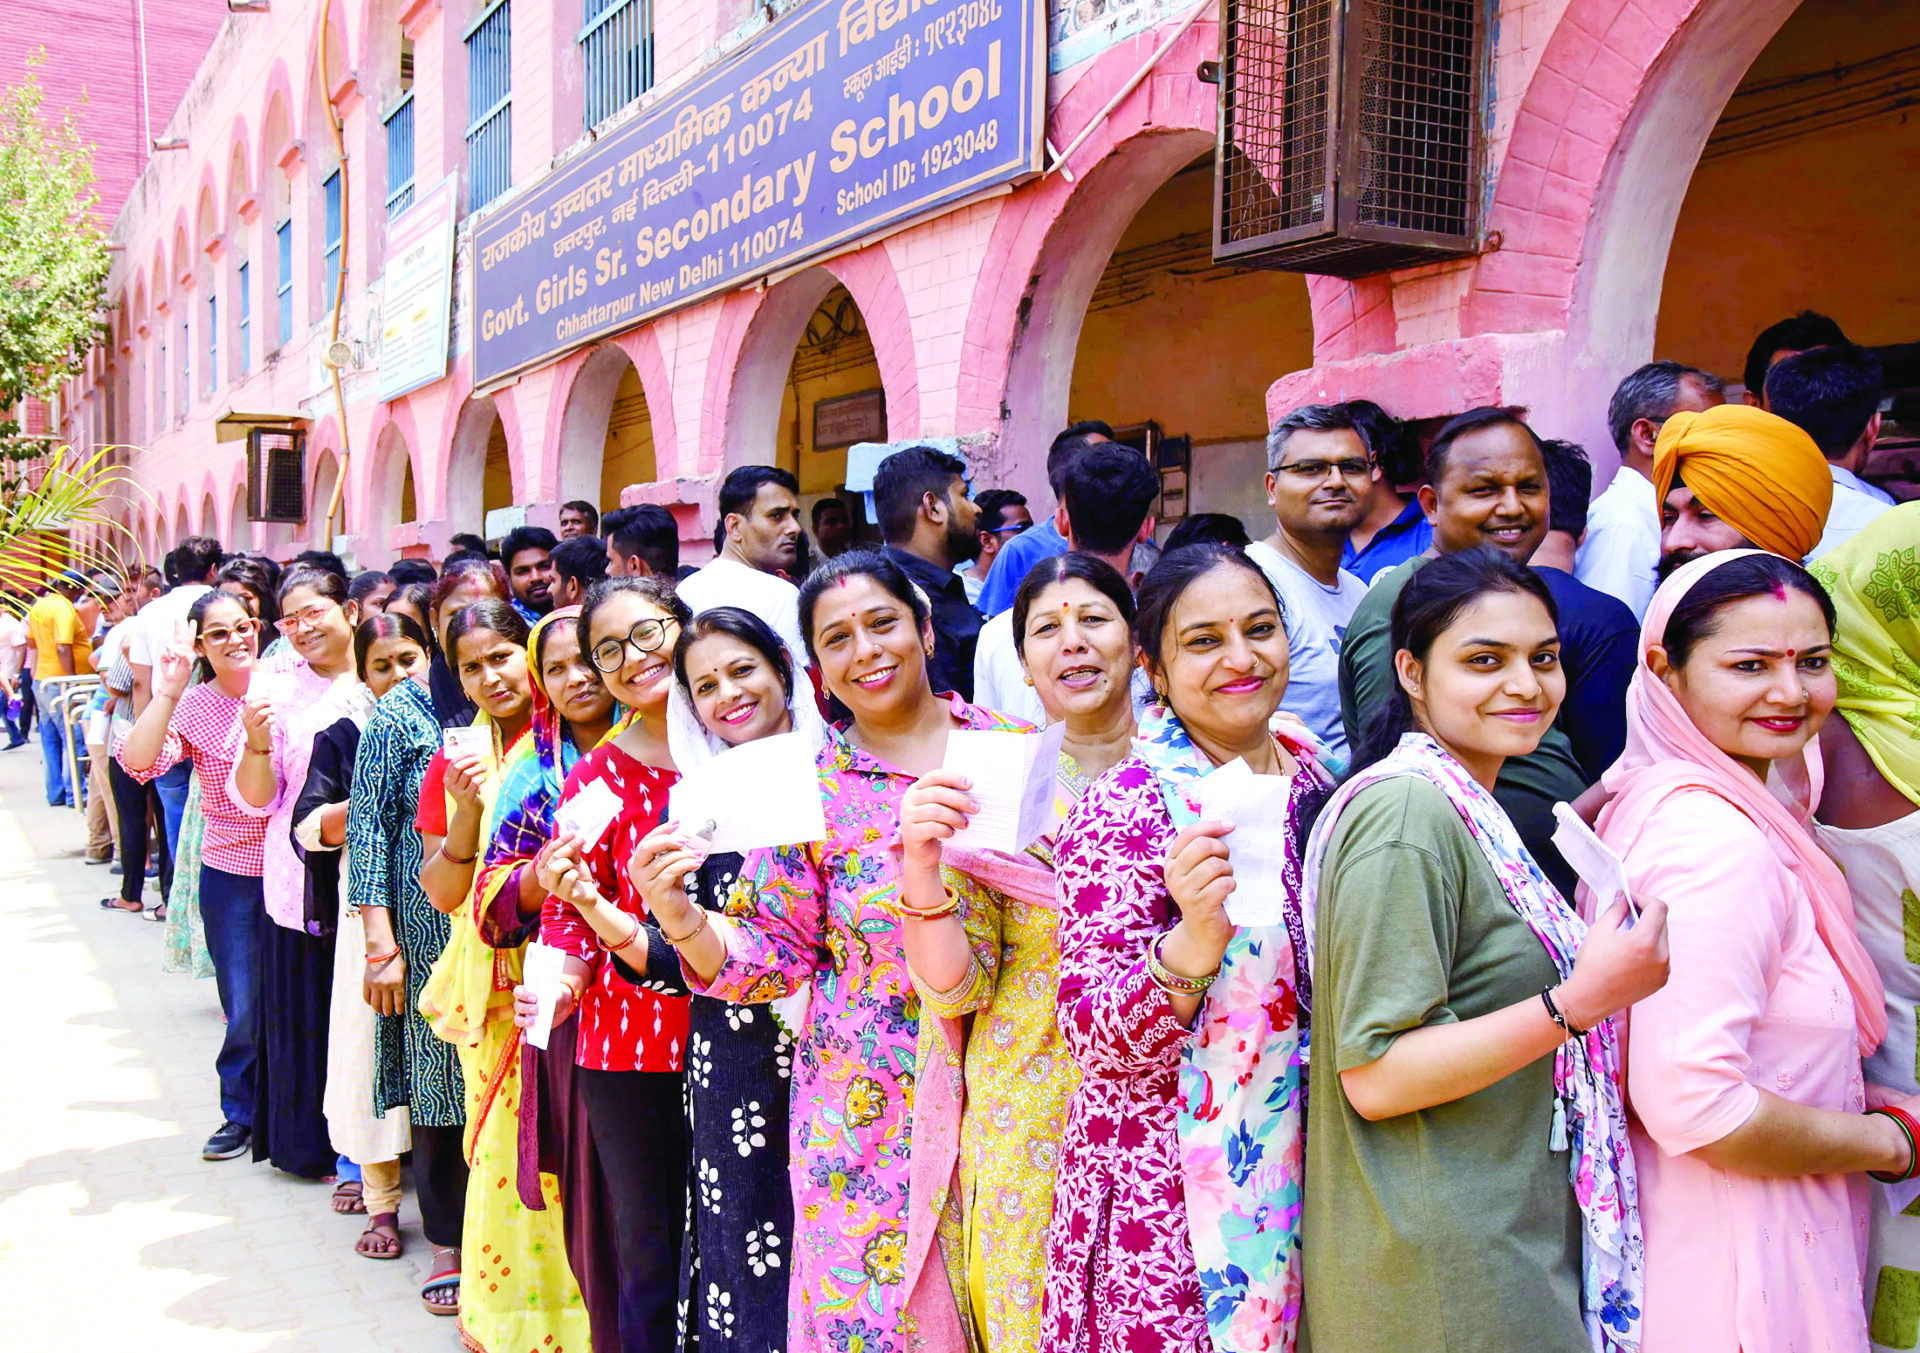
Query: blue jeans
[[53, 746], [231, 906], [172, 788]]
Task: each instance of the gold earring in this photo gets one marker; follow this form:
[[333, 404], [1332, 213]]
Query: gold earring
[[1028, 677]]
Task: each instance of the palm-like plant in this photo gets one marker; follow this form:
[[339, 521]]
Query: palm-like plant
[[64, 520]]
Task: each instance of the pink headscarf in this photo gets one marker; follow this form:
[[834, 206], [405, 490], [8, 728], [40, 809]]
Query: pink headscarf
[[1666, 753]]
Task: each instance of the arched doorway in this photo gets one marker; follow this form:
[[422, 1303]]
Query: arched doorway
[[1805, 195], [807, 384], [320, 526], [606, 435], [209, 517], [240, 534], [1177, 349], [479, 468], [390, 502]]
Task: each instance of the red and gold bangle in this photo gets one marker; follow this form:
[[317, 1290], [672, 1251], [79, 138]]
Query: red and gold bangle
[[1909, 1129], [1171, 982], [615, 947], [934, 913]]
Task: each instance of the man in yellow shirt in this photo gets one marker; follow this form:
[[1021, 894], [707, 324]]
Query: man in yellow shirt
[[58, 644]]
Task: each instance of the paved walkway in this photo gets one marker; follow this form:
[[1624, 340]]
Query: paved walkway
[[114, 1234]]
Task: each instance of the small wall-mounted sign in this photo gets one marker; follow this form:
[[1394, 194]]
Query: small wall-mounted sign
[[853, 418]]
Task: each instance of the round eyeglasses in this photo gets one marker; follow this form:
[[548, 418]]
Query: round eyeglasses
[[610, 653]]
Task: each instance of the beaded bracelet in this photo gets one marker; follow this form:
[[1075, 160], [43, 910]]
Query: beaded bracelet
[[1911, 1131], [1172, 982]]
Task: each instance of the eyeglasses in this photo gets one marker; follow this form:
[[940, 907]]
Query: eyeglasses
[[609, 654], [246, 629], [1306, 471], [311, 618], [1012, 528]]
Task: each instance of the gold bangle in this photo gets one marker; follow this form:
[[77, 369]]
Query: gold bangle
[[1173, 983], [945, 909], [693, 934]]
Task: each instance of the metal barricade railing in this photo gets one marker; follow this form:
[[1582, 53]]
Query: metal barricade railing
[[70, 695]]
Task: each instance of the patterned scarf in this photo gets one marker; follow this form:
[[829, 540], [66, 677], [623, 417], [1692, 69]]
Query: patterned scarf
[[1242, 1096], [1589, 1111]]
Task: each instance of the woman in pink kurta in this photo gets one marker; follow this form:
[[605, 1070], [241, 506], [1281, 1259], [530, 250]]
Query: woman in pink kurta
[[1743, 1072], [824, 914]]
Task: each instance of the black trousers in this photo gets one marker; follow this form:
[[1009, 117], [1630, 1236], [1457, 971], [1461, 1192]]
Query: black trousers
[[639, 1128], [131, 802], [440, 1180]]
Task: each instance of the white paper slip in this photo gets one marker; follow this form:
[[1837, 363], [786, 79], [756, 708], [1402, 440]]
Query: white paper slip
[[588, 814], [759, 794], [542, 970], [1014, 777], [1256, 805], [468, 741], [1593, 860]]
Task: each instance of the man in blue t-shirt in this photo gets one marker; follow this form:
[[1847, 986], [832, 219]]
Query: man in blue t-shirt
[[1044, 539]]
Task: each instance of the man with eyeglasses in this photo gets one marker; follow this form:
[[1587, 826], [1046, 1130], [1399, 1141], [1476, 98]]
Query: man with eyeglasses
[[1318, 476], [1003, 515]]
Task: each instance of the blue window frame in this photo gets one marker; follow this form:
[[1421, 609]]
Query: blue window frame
[[330, 251], [489, 106], [400, 156], [186, 365], [160, 370], [240, 358], [213, 342], [283, 282], [616, 50]]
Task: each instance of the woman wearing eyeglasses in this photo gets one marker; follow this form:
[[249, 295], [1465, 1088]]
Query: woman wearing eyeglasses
[[282, 715], [202, 725], [630, 1038]]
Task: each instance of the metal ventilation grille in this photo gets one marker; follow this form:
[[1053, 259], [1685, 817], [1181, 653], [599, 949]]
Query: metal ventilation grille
[[1349, 133], [277, 475], [1416, 66], [1277, 162]]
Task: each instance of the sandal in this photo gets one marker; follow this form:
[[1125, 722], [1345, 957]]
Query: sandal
[[445, 1279], [158, 915], [118, 904], [347, 1197], [381, 1239]]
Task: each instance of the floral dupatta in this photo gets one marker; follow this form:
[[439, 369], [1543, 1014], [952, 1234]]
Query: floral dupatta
[[1242, 1100], [1589, 1111]]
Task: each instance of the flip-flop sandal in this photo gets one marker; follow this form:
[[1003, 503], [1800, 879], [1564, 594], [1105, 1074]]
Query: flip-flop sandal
[[347, 1197], [158, 915], [383, 1227], [442, 1280], [118, 904]]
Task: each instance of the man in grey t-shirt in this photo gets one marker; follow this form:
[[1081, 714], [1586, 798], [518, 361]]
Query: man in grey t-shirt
[[1317, 475]]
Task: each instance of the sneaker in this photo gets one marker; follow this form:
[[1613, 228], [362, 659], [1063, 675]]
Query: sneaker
[[229, 1141], [115, 869]]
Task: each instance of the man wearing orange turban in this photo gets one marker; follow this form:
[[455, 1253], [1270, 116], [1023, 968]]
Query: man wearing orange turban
[[1735, 477]]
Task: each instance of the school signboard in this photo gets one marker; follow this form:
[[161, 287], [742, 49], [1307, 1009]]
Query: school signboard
[[844, 118]]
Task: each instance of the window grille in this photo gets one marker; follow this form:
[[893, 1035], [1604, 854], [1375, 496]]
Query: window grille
[[489, 107], [160, 380], [616, 48], [330, 251], [246, 326], [283, 284], [213, 343], [400, 156], [186, 365]]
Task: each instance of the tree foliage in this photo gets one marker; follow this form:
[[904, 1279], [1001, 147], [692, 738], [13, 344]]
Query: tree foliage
[[53, 256]]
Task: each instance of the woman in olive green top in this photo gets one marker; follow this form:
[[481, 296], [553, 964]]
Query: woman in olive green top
[[1469, 1183]]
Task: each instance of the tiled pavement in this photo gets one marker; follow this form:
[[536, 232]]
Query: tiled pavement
[[114, 1234]]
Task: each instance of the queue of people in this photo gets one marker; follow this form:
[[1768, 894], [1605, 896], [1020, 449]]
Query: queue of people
[[1421, 1082]]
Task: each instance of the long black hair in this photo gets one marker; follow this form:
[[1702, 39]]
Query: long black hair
[[1697, 614], [490, 614], [739, 624], [260, 580], [385, 625], [1432, 600], [1096, 573], [859, 564]]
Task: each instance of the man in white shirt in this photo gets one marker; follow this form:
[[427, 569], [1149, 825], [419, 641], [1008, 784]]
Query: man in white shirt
[[760, 521], [1621, 553], [1106, 510], [1318, 478], [13, 655], [1833, 395]]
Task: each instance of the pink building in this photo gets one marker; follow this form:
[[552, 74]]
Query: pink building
[[1648, 177]]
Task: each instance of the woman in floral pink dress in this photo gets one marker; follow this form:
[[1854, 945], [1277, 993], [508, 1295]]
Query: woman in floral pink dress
[[1176, 1215], [825, 914]]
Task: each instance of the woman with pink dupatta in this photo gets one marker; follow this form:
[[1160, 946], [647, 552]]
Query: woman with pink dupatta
[[991, 1100], [1750, 1122]]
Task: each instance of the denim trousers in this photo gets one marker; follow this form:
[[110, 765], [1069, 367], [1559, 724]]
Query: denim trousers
[[232, 906], [53, 746], [172, 788]]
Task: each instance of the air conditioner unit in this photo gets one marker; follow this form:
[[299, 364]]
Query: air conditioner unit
[[1350, 138], [276, 474]]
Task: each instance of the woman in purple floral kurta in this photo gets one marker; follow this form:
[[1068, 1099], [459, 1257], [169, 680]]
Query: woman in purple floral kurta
[[824, 914]]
